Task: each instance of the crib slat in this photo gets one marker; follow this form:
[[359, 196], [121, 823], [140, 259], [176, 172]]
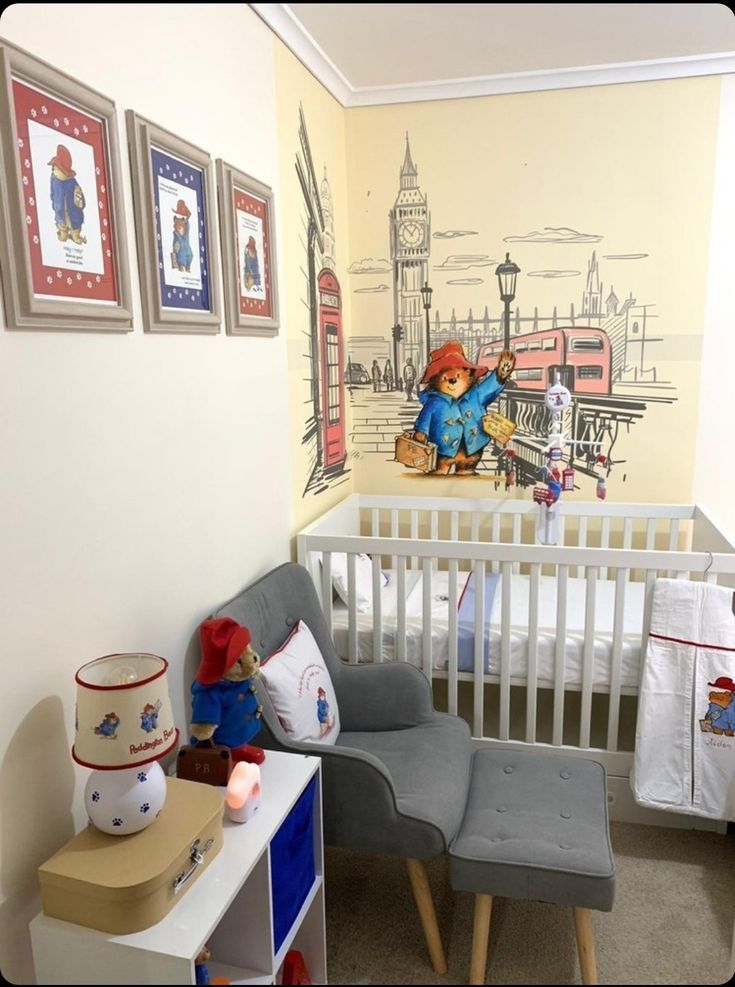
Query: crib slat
[[377, 610], [327, 589], [393, 533], [582, 542], [496, 537], [646, 623], [454, 525], [605, 542], [562, 575], [400, 643], [516, 539], [533, 590], [628, 532], [414, 536], [478, 569], [426, 614], [673, 543], [650, 534], [475, 529], [452, 643], [434, 531], [375, 522], [711, 577], [588, 656], [506, 569], [352, 608], [616, 659]]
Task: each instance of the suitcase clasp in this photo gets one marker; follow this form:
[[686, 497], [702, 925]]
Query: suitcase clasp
[[196, 858]]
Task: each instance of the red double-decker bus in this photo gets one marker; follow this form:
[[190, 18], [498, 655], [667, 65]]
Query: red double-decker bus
[[580, 355]]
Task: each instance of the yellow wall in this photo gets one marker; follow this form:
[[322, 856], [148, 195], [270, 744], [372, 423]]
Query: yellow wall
[[632, 164], [325, 123]]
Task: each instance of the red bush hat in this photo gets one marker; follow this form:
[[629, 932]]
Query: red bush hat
[[723, 682], [223, 640], [450, 356], [182, 209], [62, 159]]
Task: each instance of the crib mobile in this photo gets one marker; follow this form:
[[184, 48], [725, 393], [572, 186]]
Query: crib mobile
[[555, 477]]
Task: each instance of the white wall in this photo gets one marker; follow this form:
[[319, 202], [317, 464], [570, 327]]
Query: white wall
[[144, 479], [714, 479]]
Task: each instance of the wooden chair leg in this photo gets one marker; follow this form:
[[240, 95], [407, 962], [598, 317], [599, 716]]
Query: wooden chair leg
[[585, 945], [480, 937], [425, 904]]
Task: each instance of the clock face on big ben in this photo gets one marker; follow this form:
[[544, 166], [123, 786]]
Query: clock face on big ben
[[411, 234]]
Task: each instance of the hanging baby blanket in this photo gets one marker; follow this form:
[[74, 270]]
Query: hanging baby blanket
[[685, 738]]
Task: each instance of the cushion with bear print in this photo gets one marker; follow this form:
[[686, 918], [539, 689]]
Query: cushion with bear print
[[299, 686]]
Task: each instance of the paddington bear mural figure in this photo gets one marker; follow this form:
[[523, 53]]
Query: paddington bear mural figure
[[455, 395]]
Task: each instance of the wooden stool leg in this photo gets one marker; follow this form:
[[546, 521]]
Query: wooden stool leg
[[585, 945], [480, 937], [425, 904]]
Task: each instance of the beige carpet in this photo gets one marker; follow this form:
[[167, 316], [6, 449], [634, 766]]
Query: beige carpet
[[672, 922]]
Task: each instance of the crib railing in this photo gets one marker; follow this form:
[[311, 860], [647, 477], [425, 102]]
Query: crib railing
[[467, 533]]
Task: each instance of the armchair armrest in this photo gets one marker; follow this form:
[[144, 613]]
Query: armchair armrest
[[382, 697]]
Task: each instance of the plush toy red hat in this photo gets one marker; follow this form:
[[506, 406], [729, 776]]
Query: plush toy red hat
[[62, 160], [723, 682], [182, 209], [449, 357], [223, 640]]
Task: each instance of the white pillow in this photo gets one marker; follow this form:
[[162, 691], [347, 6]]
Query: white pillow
[[363, 580], [299, 686]]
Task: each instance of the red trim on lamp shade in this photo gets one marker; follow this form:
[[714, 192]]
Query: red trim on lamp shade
[[128, 685], [131, 764]]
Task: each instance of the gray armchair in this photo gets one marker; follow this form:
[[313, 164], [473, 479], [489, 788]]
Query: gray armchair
[[396, 780]]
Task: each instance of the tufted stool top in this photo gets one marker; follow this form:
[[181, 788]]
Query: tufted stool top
[[535, 827]]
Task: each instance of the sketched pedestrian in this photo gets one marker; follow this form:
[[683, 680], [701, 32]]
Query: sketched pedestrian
[[409, 376], [388, 375], [377, 376]]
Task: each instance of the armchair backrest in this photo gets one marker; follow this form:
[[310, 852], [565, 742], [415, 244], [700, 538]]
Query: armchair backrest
[[271, 608]]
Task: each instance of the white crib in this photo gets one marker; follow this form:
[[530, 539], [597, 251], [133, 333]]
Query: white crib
[[556, 653]]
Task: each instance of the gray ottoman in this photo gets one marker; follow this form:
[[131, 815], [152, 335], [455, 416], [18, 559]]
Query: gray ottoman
[[535, 827]]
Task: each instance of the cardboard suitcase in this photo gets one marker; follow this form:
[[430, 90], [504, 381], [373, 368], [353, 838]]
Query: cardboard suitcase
[[419, 455], [123, 884]]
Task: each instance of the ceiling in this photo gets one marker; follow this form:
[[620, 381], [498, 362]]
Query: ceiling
[[376, 53]]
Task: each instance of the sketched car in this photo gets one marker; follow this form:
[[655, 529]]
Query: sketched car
[[355, 373]]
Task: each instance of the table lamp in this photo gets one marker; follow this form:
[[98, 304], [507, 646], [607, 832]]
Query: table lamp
[[124, 723]]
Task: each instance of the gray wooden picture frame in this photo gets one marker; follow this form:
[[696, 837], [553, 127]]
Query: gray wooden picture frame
[[25, 308], [239, 323], [142, 136]]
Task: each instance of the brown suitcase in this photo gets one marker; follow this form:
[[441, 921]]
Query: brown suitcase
[[206, 761], [498, 427], [123, 884], [419, 455]]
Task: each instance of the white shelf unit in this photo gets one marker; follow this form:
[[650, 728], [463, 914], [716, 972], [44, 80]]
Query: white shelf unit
[[229, 907]]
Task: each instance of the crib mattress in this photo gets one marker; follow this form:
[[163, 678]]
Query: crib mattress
[[574, 645]]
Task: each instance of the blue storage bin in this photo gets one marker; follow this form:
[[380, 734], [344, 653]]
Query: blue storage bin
[[292, 864]]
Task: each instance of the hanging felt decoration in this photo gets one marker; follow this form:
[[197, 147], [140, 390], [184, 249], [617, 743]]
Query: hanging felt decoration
[[568, 479], [542, 495], [601, 488], [510, 475]]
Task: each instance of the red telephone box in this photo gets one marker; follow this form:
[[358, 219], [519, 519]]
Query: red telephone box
[[332, 370]]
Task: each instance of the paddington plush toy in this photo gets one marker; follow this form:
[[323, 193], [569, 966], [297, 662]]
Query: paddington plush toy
[[224, 705], [455, 398]]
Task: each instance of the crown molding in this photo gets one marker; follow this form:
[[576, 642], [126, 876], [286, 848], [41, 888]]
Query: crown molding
[[281, 20]]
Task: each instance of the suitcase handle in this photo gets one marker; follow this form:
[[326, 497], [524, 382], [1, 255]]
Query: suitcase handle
[[196, 857]]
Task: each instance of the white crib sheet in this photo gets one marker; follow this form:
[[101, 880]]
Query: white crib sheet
[[576, 593]]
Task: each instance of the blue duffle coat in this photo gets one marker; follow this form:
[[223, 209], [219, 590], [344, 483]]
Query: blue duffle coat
[[446, 421]]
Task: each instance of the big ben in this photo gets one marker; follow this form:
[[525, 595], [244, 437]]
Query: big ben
[[409, 253]]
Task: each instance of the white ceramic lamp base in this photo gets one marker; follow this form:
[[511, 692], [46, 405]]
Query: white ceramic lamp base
[[127, 800]]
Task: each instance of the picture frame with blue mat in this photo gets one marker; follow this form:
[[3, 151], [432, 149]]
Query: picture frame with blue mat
[[174, 199]]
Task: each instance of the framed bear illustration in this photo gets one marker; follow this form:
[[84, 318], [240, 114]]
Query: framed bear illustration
[[174, 204], [63, 248], [247, 227]]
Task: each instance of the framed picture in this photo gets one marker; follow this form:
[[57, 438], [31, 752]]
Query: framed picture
[[63, 249], [174, 201], [247, 224]]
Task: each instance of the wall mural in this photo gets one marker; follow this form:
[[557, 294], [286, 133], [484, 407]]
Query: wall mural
[[599, 347], [325, 428]]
